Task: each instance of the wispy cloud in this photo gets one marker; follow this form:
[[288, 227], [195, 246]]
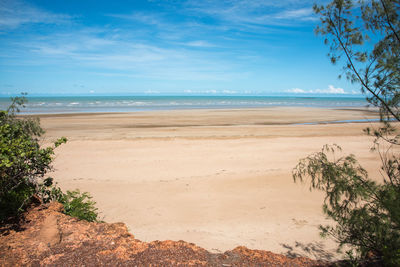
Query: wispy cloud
[[225, 15], [256, 12], [106, 55], [302, 14], [200, 43], [142, 17], [162, 26], [14, 13]]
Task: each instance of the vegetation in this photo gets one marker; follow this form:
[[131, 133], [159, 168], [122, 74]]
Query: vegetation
[[24, 164], [364, 35], [79, 205]]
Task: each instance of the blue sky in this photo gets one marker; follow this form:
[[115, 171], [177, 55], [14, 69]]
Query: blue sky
[[242, 47]]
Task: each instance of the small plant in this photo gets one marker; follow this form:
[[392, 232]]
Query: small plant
[[76, 204], [79, 205], [367, 213]]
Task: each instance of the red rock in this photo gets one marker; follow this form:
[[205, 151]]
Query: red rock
[[48, 237]]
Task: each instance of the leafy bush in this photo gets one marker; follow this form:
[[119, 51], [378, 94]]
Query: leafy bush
[[365, 37], [367, 213], [22, 160], [76, 204], [79, 205], [24, 164]]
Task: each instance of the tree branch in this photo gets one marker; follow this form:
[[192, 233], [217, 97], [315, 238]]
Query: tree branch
[[388, 20], [337, 35]]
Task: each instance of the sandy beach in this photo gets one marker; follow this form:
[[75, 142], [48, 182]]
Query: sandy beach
[[217, 178]]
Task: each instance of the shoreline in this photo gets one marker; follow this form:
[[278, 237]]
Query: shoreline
[[371, 110], [122, 104], [210, 123]]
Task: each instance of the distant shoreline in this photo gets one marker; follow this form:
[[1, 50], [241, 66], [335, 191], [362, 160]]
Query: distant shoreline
[[371, 110], [197, 120], [71, 115]]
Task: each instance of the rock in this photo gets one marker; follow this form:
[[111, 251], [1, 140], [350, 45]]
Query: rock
[[47, 237]]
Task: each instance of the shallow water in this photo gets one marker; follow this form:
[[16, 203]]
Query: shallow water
[[89, 104]]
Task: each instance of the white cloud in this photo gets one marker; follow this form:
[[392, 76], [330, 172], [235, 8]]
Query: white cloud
[[330, 90], [151, 92], [229, 92], [296, 91], [210, 91]]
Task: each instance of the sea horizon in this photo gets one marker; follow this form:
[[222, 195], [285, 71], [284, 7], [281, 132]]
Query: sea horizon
[[59, 104]]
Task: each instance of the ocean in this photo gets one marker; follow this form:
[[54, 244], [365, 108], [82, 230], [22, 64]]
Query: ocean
[[96, 104]]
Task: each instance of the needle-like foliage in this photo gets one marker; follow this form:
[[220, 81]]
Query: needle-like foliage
[[364, 37]]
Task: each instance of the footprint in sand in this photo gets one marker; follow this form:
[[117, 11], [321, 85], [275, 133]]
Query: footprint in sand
[[299, 223]]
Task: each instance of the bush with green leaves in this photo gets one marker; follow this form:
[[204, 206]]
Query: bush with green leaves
[[366, 36], [79, 205], [24, 164], [76, 204], [367, 213]]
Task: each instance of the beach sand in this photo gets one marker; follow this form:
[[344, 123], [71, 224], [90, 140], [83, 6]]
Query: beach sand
[[217, 178]]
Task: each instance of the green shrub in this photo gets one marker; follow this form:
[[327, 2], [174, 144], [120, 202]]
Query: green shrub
[[22, 161], [24, 164], [79, 205], [363, 36], [367, 213]]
